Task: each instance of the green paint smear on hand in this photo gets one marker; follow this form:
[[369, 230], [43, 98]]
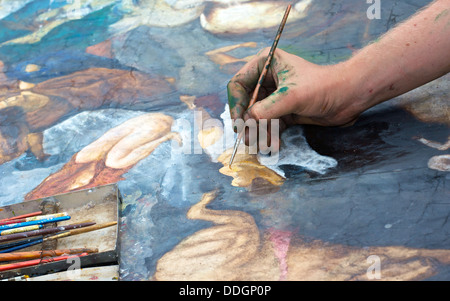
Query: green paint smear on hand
[[232, 100], [442, 14], [283, 90], [282, 76]]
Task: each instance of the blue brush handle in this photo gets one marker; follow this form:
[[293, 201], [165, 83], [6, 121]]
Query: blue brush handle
[[38, 222], [20, 242], [34, 242]]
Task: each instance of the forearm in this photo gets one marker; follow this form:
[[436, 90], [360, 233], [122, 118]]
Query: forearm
[[410, 55]]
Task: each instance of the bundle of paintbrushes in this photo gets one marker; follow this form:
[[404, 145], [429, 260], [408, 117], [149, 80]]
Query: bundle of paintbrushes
[[23, 231]]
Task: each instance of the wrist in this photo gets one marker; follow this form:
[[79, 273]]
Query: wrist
[[346, 91], [360, 87]]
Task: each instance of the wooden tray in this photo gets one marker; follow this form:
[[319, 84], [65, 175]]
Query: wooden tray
[[99, 204]]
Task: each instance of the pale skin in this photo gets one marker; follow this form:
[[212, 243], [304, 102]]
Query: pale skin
[[296, 91]]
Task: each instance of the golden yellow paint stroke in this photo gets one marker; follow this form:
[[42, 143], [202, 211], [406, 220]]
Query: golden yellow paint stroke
[[220, 57], [246, 168], [25, 86], [32, 68], [209, 136], [35, 144], [170, 80], [188, 100], [27, 100]]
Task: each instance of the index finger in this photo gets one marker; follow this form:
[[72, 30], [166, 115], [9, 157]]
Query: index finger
[[243, 83]]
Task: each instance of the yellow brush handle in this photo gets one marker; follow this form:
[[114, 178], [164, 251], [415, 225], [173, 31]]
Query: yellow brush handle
[[20, 229]]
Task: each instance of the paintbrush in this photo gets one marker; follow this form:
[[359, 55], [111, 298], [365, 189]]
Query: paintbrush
[[22, 264], [20, 229], [44, 231], [27, 244], [84, 230], [22, 216], [43, 253], [262, 77], [35, 222], [32, 218], [18, 242], [59, 235]]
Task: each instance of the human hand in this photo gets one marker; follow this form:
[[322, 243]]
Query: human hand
[[299, 92], [294, 91]]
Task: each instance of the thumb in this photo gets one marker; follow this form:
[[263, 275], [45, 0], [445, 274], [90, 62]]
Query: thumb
[[278, 104]]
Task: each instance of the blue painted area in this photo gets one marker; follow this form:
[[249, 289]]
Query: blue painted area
[[73, 35], [381, 177], [60, 63], [13, 26]]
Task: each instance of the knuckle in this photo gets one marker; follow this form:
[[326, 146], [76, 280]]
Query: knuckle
[[264, 52], [255, 113], [230, 84]]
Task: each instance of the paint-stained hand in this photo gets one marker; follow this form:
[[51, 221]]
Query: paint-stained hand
[[294, 91]]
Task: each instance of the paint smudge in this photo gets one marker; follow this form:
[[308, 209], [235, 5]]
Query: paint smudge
[[281, 240], [246, 168], [296, 151], [101, 49], [441, 163], [247, 17], [283, 90]]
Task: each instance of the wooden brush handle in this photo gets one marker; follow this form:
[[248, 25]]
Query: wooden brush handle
[[92, 228], [44, 253], [33, 262], [262, 76]]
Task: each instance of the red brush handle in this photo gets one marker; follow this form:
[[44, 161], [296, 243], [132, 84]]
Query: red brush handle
[[18, 265], [21, 216]]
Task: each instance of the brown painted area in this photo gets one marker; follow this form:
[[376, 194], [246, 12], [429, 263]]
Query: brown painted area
[[101, 49], [234, 249], [48, 102]]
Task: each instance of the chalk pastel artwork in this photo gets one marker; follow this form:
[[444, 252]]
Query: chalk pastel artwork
[[135, 93]]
